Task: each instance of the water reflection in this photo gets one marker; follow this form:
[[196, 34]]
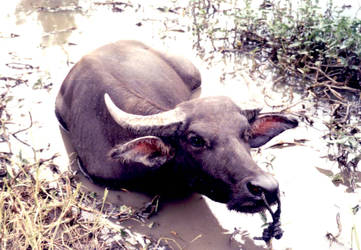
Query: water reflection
[[57, 18]]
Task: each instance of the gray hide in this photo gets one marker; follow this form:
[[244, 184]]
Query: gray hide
[[130, 117]]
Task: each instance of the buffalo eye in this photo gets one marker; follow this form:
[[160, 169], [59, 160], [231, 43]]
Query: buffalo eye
[[196, 141]]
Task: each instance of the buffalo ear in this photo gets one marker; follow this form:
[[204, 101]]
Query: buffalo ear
[[266, 126], [251, 114], [150, 151]]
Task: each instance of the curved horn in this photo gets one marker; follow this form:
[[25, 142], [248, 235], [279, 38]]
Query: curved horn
[[162, 124]]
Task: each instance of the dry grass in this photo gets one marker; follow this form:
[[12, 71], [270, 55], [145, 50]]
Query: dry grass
[[39, 214]]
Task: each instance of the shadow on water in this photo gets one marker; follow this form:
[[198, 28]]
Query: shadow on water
[[186, 223], [57, 18]]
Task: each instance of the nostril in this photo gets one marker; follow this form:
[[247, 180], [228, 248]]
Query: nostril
[[254, 189], [263, 184]]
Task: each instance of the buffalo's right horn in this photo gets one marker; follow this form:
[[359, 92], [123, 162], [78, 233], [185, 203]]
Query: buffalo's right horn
[[162, 124]]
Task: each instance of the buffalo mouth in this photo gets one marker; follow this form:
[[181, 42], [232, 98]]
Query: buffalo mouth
[[251, 206], [258, 205]]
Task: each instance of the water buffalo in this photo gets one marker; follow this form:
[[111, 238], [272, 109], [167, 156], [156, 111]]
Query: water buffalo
[[131, 119]]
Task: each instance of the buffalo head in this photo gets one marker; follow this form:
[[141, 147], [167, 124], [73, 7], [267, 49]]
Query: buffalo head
[[206, 143]]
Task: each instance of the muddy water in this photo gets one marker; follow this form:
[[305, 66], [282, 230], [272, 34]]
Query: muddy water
[[41, 40]]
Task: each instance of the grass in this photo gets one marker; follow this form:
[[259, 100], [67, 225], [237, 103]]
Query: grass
[[61, 214], [37, 214]]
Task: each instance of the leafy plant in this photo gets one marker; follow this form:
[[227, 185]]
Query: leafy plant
[[324, 47]]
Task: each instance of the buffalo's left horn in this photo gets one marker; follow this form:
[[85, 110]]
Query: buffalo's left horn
[[161, 124]]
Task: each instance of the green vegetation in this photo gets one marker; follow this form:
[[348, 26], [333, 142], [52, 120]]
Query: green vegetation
[[305, 42]]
